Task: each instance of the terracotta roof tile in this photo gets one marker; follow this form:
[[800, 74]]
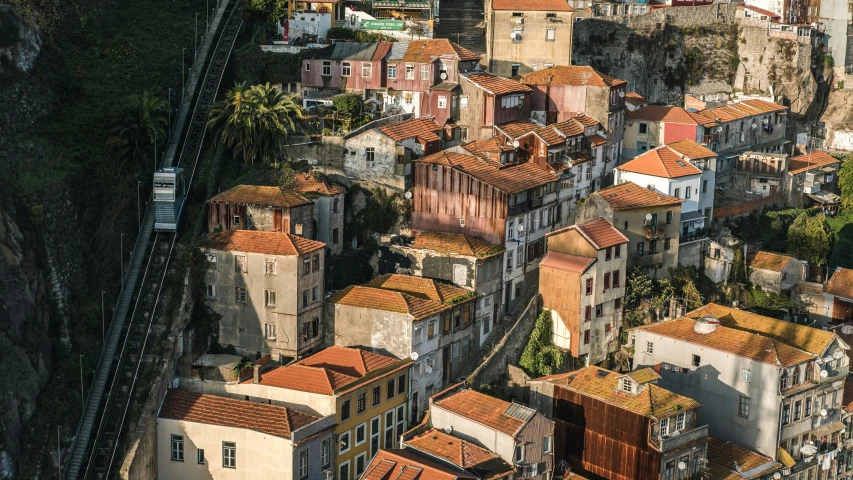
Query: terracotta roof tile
[[484, 409], [424, 51], [762, 260], [810, 339], [586, 120], [741, 110], [556, 133], [575, 75], [424, 129], [408, 465], [327, 371], [489, 148], [599, 232], [518, 128], [422, 287], [762, 11], [629, 195], [732, 340], [635, 98], [691, 149], [494, 84], [261, 195], [275, 420], [258, 241], [651, 401], [461, 453], [309, 185], [841, 283], [663, 162], [597, 140], [644, 375], [566, 261], [456, 243], [662, 113], [510, 178], [810, 161], [533, 5], [724, 457]]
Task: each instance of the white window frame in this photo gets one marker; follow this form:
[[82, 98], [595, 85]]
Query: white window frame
[[269, 331], [240, 295], [303, 464], [240, 264], [442, 101], [363, 426], [366, 70], [210, 291], [626, 384], [664, 426], [392, 72], [341, 467], [650, 347], [388, 427], [520, 453], [177, 448], [409, 72], [229, 461], [680, 421], [417, 334], [550, 34], [199, 456], [463, 101], [346, 69], [326, 453], [424, 72], [547, 444], [270, 266], [363, 458], [746, 375], [348, 435], [270, 298], [377, 434], [327, 68]]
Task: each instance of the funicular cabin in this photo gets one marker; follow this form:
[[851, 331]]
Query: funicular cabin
[[169, 195]]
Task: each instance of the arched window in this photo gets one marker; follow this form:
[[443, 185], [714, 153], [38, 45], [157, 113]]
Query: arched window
[[783, 381], [796, 379]]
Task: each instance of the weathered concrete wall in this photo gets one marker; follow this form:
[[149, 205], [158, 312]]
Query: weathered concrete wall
[[329, 152], [690, 254], [382, 170]]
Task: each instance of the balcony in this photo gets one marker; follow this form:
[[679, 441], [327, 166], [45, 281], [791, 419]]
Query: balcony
[[811, 187], [670, 443], [525, 206], [653, 232], [648, 259]]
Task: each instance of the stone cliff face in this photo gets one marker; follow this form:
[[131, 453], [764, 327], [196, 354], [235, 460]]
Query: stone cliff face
[[20, 44]]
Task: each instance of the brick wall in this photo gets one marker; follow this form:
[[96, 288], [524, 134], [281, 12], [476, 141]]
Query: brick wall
[[746, 208]]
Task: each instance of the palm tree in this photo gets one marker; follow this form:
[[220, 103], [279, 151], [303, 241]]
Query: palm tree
[[138, 122], [254, 121]]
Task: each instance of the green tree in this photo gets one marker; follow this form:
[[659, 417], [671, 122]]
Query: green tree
[[254, 121], [348, 104], [259, 11], [809, 238], [685, 283], [540, 356], [845, 182], [638, 287], [139, 122]]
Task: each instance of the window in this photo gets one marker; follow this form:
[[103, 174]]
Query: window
[[599, 310], [325, 452], [588, 315], [519, 453], [410, 72], [515, 66], [650, 347], [644, 128], [343, 471], [306, 266], [679, 421], [618, 249], [704, 186], [667, 242], [424, 72], [808, 411], [664, 426], [229, 454], [401, 420], [589, 286], [442, 101], [686, 192], [783, 380], [335, 236], [547, 442], [389, 393], [746, 375], [786, 414], [345, 413], [463, 101], [668, 218], [626, 384], [269, 266], [366, 70], [346, 69], [796, 378], [298, 228], [626, 225], [697, 360], [239, 295], [417, 335], [392, 71], [178, 448], [640, 246], [361, 402], [550, 34], [307, 67], [616, 280], [305, 298], [389, 429], [676, 193], [269, 298], [359, 464], [200, 456], [375, 396], [344, 440], [315, 294], [608, 253], [669, 470], [369, 156], [374, 435], [211, 291], [237, 220], [606, 281], [303, 464], [269, 331], [586, 337], [240, 263], [798, 407], [315, 263], [743, 407], [360, 434], [431, 330], [327, 68], [401, 384]]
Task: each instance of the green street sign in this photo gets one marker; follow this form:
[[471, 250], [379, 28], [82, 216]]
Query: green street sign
[[383, 24]]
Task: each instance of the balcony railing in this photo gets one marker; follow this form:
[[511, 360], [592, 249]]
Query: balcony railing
[[648, 259], [669, 443], [653, 232]]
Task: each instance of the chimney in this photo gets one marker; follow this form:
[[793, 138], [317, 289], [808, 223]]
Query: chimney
[[257, 373]]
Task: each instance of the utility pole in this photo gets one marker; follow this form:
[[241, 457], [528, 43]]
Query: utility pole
[[139, 202], [103, 320], [121, 258], [82, 395], [169, 120], [183, 81], [207, 15], [195, 41]]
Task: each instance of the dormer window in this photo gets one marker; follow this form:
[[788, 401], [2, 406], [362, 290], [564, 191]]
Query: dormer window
[[626, 384]]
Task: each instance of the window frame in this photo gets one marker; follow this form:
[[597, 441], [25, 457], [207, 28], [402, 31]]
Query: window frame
[[177, 454], [363, 427], [743, 404], [303, 464], [232, 448], [392, 72], [348, 435], [324, 72], [366, 70]]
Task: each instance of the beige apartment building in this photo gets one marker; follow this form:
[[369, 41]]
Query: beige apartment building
[[268, 287], [523, 37], [651, 221]]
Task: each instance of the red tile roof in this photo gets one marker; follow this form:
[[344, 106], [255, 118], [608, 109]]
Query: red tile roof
[[575, 75], [652, 401], [461, 453], [518, 128], [494, 84], [841, 283], [275, 420], [489, 148], [628, 195], [731, 340], [597, 140], [668, 114], [421, 287], [484, 409], [260, 195], [388, 301], [635, 98], [663, 162], [741, 110], [761, 260], [424, 51], [456, 243], [810, 161], [691, 149], [257, 241], [601, 233], [566, 261], [408, 465], [532, 5], [424, 129], [729, 461], [510, 178], [309, 185], [328, 371], [556, 133]]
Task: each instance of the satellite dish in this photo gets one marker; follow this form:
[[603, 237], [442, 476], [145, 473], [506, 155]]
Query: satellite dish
[[824, 374], [428, 369], [448, 429], [520, 228], [682, 465], [589, 4], [408, 195], [719, 129], [777, 475], [824, 413], [443, 76], [414, 355], [622, 94], [437, 20], [754, 125], [648, 217], [515, 143]]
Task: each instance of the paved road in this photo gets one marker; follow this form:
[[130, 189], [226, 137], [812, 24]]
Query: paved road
[[459, 20]]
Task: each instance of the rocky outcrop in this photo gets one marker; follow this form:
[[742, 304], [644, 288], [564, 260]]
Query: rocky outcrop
[[20, 44], [24, 342]]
